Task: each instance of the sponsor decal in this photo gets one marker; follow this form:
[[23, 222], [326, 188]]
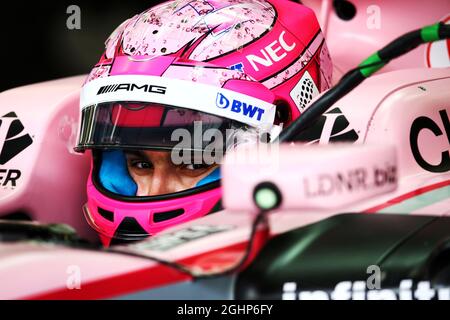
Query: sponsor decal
[[357, 290], [12, 142], [426, 123], [354, 180], [332, 126], [300, 63], [238, 66], [239, 107], [132, 87], [174, 239], [274, 52]]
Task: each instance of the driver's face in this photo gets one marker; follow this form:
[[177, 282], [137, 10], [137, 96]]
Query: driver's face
[[155, 174]]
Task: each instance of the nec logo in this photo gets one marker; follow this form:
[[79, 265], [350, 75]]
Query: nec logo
[[132, 87], [274, 52], [237, 106], [12, 142]]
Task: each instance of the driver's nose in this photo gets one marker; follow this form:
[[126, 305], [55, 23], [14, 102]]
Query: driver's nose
[[165, 178], [163, 182]]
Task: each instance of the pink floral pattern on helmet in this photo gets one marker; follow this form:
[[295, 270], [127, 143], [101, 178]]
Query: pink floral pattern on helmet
[[166, 28]]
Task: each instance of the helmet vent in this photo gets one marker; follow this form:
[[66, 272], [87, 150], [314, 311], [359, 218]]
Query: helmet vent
[[307, 92], [167, 215], [129, 227], [108, 215]]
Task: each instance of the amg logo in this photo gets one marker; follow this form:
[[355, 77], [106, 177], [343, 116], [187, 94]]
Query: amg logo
[[132, 87]]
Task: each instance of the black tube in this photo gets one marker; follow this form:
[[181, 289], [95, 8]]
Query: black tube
[[444, 31], [307, 118], [353, 78]]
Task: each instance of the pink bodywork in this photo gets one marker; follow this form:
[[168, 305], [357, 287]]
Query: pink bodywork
[[52, 181], [318, 186], [375, 24]]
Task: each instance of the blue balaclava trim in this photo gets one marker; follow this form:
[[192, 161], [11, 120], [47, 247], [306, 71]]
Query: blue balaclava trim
[[213, 176], [114, 174]]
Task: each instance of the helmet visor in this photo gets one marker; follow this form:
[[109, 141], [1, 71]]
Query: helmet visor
[[148, 149], [130, 125]]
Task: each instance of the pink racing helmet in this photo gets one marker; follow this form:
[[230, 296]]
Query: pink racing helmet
[[190, 79]]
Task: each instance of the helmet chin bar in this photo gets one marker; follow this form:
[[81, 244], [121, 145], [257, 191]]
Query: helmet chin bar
[[116, 218]]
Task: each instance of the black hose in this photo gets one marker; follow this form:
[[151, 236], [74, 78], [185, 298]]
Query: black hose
[[354, 77]]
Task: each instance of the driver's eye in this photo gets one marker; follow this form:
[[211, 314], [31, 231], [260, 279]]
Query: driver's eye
[[141, 164], [197, 166]]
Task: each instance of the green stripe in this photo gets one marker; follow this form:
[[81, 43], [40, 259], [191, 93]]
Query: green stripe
[[420, 201], [430, 33], [373, 59]]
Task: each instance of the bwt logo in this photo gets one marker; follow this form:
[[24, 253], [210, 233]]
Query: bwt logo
[[240, 107]]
